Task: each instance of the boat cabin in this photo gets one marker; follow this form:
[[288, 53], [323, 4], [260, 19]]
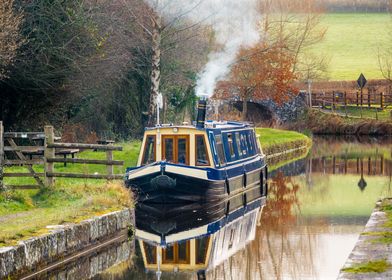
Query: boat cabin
[[216, 145]]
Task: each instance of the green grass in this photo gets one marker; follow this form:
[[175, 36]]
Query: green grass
[[26, 213], [271, 137], [374, 266], [352, 41], [370, 113], [277, 140]]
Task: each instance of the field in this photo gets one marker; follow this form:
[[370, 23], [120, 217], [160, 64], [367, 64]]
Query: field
[[352, 42]]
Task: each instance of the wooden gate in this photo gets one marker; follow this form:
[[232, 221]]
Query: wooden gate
[[46, 152]]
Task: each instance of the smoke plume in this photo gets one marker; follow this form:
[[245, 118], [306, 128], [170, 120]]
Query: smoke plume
[[235, 24]]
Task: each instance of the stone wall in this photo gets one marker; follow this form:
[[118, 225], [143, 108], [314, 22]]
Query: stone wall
[[260, 111], [61, 241]]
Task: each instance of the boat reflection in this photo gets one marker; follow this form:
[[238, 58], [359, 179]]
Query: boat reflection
[[195, 238]]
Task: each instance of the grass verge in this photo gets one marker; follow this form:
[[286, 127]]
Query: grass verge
[[275, 141], [26, 213], [323, 123]]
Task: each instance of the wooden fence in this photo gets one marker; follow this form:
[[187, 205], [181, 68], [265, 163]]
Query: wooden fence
[[370, 99], [45, 153]]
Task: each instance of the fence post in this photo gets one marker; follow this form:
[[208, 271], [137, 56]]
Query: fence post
[[49, 153], [109, 156], [345, 102], [357, 98], [369, 95], [333, 100], [1, 155], [382, 100]]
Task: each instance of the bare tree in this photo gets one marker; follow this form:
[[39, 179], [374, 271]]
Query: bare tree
[[11, 39], [295, 25], [164, 34]]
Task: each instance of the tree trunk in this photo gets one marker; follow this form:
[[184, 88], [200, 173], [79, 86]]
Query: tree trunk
[[155, 70], [245, 108], [247, 95]]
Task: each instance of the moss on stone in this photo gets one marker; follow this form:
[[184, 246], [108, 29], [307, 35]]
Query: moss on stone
[[373, 266], [384, 237]]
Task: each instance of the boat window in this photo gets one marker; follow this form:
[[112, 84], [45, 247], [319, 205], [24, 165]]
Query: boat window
[[238, 142], [243, 145], [201, 250], [151, 253], [221, 152], [168, 254], [231, 145], [169, 149], [149, 150], [250, 144], [175, 149], [201, 151], [182, 151], [178, 253], [183, 252]]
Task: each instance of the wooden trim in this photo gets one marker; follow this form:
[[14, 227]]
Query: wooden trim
[[20, 174], [187, 253], [175, 147], [85, 176], [85, 161], [176, 254], [23, 134], [85, 146], [187, 148], [23, 162], [145, 148], [23, 187], [163, 141], [24, 149], [206, 150], [29, 167]]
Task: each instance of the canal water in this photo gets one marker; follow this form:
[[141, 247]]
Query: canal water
[[316, 209]]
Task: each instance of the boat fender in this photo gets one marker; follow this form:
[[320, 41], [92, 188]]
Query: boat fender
[[244, 180], [244, 199], [227, 186], [163, 182], [266, 172]]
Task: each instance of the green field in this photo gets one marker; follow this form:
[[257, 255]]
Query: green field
[[352, 43]]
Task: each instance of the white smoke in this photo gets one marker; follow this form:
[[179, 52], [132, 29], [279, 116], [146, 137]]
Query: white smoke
[[235, 23]]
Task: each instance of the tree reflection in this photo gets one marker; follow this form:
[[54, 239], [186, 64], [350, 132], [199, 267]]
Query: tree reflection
[[283, 248]]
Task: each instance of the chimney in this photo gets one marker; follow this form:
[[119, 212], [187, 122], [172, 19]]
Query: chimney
[[201, 114]]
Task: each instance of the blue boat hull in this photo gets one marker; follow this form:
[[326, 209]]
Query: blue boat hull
[[164, 186]]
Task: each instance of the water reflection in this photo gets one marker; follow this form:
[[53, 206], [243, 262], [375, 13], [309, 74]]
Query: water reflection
[[315, 211], [198, 237]]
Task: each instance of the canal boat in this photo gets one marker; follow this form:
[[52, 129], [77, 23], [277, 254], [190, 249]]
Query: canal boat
[[194, 243], [206, 161]]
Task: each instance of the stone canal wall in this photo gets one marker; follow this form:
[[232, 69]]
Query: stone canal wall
[[371, 257], [62, 241]]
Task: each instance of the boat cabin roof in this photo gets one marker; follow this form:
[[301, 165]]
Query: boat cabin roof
[[210, 125]]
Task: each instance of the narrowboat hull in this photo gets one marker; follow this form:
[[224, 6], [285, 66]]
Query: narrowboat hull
[[168, 183]]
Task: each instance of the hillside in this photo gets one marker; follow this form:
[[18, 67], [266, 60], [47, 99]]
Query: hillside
[[352, 43]]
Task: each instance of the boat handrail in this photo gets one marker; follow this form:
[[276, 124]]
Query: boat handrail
[[144, 167]]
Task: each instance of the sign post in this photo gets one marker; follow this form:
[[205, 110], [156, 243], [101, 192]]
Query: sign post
[[361, 84]]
